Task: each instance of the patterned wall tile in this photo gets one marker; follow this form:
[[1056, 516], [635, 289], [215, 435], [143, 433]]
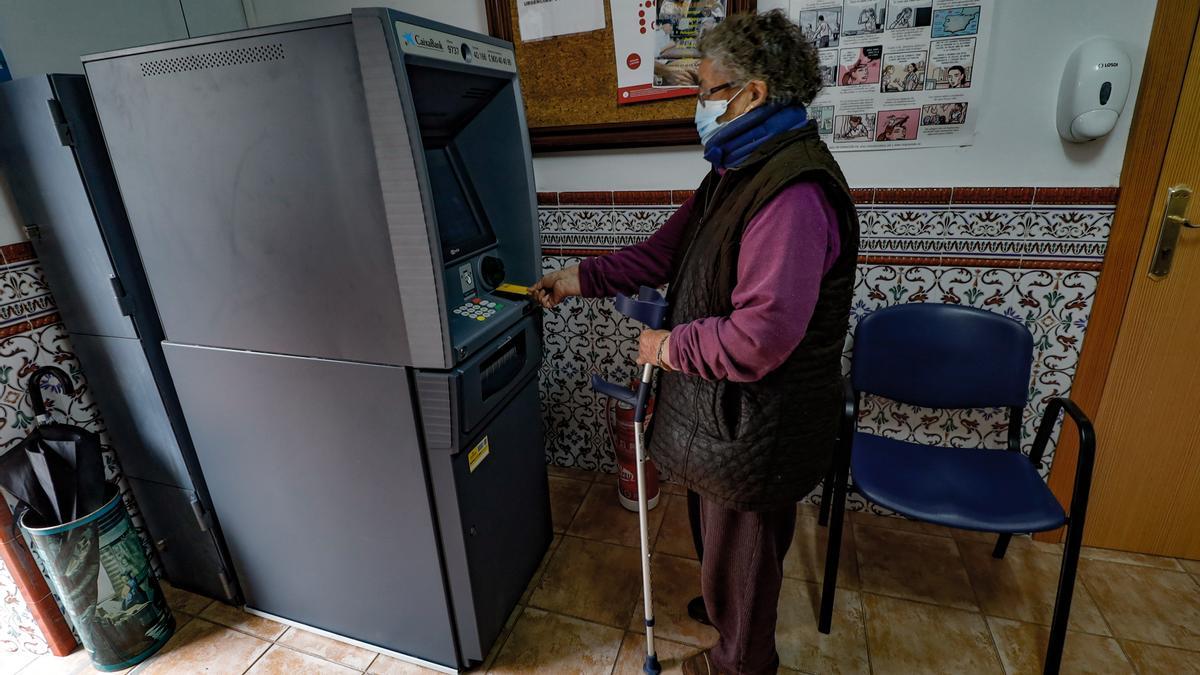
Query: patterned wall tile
[[19, 631], [982, 247], [906, 231]]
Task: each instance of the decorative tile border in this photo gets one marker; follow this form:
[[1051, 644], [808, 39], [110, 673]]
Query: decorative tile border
[[1032, 254], [31, 336]]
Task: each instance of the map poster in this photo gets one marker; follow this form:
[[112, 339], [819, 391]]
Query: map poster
[[897, 74]]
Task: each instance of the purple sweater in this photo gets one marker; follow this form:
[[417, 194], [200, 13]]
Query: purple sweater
[[786, 249]]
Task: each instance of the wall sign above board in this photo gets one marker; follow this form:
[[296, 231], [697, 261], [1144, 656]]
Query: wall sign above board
[[570, 86]]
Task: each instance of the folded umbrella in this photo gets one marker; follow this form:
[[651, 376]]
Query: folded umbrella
[[58, 469]]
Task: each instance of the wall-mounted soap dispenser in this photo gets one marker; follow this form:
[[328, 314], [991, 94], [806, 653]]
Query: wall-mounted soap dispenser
[[1094, 86]]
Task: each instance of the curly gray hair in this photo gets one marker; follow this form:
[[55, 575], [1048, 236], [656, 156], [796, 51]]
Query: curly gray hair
[[767, 47]]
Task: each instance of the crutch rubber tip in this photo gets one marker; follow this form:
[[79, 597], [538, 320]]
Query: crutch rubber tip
[[652, 667]]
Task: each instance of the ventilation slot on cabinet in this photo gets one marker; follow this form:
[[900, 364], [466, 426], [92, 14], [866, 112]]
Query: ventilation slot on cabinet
[[228, 57]]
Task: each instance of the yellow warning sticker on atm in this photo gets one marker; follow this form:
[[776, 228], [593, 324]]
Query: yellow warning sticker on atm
[[479, 453]]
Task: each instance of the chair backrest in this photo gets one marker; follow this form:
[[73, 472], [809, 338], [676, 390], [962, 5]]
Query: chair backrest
[[943, 356]]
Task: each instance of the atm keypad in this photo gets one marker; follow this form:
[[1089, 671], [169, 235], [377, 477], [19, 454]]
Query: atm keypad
[[477, 309]]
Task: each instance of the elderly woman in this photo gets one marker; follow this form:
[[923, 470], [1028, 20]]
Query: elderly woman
[[761, 266]]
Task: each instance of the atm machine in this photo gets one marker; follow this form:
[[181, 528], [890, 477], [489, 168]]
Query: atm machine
[[324, 210]]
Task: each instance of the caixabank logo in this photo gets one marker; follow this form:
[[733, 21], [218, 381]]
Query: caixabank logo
[[416, 40]]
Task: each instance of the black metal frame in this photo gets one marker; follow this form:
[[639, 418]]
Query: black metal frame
[[837, 484]]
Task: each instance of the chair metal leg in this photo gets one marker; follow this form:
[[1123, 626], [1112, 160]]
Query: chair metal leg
[[1062, 603], [1001, 546], [826, 497], [834, 548]]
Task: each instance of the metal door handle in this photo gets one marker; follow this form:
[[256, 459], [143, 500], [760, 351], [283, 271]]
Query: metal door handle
[[1173, 221]]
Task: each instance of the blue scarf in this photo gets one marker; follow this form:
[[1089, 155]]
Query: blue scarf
[[734, 143]]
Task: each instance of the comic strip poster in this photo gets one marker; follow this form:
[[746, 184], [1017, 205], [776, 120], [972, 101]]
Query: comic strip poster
[[859, 66], [829, 67], [823, 116], [821, 26], [897, 74], [903, 71], [657, 46], [853, 128]]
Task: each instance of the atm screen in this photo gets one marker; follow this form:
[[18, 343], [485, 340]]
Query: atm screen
[[460, 218]]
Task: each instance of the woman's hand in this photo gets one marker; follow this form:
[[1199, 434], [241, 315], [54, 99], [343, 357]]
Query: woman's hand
[[649, 344], [556, 287]]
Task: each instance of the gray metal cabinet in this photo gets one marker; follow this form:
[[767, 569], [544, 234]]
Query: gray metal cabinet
[[58, 168]]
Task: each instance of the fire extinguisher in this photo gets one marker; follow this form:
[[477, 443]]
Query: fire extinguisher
[[618, 419]]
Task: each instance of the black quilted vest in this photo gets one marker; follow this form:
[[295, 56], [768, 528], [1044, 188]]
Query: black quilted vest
[[761, 445]]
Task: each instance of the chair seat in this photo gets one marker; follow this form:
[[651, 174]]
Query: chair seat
[[986, 490]]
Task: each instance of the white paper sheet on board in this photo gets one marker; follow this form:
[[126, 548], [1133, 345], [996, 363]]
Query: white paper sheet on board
[[541, 19], [897, 74]]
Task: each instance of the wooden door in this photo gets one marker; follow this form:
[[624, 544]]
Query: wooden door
[[1146, 488]]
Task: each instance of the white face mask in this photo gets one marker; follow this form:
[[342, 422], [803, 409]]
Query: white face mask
[[707, 114]]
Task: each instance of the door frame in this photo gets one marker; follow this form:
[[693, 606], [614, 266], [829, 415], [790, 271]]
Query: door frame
[[1175, 26]]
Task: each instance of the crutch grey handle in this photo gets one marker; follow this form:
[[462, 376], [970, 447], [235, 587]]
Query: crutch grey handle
[[611, 390], [648, 307]]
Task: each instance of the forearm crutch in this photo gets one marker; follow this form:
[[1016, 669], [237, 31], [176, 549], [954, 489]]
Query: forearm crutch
[[649, 308]]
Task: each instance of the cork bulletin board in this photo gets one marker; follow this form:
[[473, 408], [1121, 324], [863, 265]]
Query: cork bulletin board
[[569, 84]]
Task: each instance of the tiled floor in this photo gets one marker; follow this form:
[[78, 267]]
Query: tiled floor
[[913, 598]]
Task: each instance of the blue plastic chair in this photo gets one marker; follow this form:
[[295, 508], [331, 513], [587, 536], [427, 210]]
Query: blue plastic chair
[[948, 356]]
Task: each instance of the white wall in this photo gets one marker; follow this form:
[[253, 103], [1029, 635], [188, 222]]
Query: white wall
[[467, 14], [49, 36], [1016, 142]]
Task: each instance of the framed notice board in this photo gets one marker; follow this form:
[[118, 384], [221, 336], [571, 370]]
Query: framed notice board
[[570, 88]]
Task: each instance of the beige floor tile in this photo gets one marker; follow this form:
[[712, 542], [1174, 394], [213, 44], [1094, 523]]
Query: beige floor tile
[[1023, 587], [1130, 558], [76, 663], [571, 472], [234, 618], [590, 580], [1023, 650], [897, 523], [633, 655], [566, 494], [673, 488], [802, 647], [542, 642], [806, 557], [537, 574], [911, 638], [675, 535], [602, 518], [283, 661], [676, 582], [184, 601], [1156, 660], [387, 665], [1146, 604], [1018, 542], [606, 478], [327, 648], [15, 661], [1191, 566], [204, 647], [912, 565]]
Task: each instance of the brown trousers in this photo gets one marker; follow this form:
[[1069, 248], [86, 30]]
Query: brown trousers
[[741, 572]]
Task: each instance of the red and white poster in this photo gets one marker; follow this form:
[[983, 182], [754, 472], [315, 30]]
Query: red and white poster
[[657, 44]]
